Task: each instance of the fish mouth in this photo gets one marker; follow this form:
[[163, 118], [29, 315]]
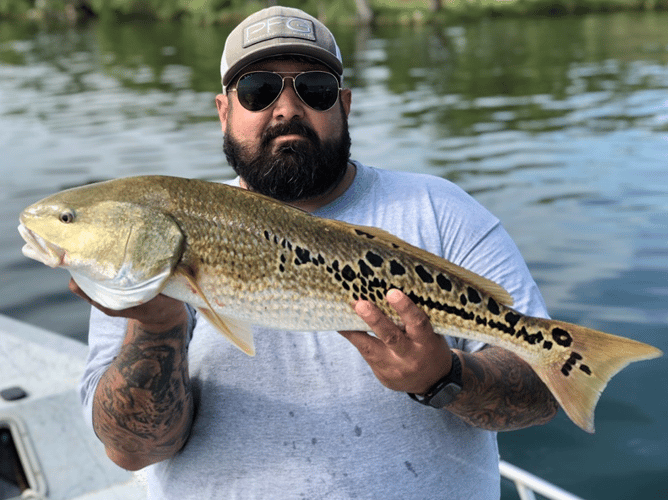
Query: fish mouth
[[39, 249]]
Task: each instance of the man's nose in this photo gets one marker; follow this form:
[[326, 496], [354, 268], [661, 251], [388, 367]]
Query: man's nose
[[288, 105]]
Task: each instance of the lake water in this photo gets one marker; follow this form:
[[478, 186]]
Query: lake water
[[558, 125]]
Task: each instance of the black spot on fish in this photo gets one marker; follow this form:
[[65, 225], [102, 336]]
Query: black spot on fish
[[531, 339], [502, 327], [444, 283], [379, 295], [345, 285], [283, 259], [348, 273], [480, 321], [281, 268], [571, 362], [298, 262], [276, 239], [330, 270], [363, 296], [335, 265], [376, 283], [512, 318], [284, 243], [303, 255], [492, 306], [424, 274], [463, 299], [356, 288], [266, 235], [321, 259], [337, 277], [396, 269], [365, 269], [473, 295], [374, 259], [547, 345], [315, 261], [366, 235], [562, 337], [355, 296]]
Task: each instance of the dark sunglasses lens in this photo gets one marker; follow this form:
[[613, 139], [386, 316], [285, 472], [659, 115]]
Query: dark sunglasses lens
[[256, 91], [318, 89]]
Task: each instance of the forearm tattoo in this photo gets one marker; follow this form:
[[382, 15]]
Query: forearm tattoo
[[143, 403], [502, 393]]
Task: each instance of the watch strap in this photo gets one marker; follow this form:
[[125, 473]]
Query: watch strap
[[445, 390]]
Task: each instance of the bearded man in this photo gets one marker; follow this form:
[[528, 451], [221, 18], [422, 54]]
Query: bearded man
[[316, 414]]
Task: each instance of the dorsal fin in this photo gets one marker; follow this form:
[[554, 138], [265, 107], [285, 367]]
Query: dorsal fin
[[494, 290]]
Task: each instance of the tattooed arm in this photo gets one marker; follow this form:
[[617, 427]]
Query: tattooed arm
[[142, 407], [500, 391]]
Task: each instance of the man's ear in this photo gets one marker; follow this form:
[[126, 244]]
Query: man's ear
[[346, 100], [222, 103]]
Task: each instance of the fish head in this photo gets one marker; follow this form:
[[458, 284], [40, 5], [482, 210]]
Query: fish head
[[119, 251]]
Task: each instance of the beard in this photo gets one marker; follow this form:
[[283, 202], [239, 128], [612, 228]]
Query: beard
[[295, 170]]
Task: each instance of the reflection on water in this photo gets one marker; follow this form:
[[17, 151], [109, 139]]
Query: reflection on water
[[558, 126]]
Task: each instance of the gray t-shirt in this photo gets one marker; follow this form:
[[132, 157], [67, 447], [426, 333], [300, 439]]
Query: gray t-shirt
[[305, 418]]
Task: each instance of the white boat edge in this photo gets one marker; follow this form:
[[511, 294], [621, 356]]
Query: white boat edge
[[61, 456]]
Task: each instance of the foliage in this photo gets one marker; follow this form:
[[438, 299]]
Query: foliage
[[332, 11]]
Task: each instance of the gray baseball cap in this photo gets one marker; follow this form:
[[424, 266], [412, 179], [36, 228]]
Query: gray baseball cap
[[278, 31]]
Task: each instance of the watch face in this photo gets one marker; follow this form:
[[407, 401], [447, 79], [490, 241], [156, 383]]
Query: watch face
[[445, 396]]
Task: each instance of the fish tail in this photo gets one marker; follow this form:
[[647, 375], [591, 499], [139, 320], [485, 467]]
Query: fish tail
[[592, 358]]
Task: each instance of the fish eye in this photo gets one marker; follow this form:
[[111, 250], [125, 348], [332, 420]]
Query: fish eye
[[66, 217]]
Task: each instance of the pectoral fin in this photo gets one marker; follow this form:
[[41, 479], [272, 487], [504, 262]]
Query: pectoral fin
[[239, 333]]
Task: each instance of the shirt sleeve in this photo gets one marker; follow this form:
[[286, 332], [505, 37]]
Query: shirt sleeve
[[105, 336]]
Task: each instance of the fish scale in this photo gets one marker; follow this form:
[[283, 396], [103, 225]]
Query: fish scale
[[243, 259]]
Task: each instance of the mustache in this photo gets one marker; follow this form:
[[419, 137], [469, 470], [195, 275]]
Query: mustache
[[290, 128]]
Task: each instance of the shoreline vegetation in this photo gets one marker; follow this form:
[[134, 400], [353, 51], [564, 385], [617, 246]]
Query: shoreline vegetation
[[399, 12]]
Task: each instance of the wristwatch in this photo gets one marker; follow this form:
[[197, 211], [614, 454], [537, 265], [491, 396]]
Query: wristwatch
[[445, 390]]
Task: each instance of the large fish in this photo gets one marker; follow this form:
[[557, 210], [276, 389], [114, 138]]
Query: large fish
[[244, 259]]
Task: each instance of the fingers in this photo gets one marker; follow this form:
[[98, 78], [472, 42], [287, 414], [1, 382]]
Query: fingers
[[369, 346], [399, 339], [391, 335], [417, 324], [408, 358]]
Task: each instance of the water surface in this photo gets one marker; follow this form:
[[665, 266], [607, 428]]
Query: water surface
[[558, 126]]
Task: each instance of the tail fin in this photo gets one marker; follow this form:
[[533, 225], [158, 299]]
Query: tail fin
[[578, 377]]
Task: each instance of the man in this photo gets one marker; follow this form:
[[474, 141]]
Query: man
[[307, 417]]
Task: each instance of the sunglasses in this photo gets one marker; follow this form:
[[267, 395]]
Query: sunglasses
[[258, 90]]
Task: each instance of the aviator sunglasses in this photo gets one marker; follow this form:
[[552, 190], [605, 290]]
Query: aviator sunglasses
[[258, 90]]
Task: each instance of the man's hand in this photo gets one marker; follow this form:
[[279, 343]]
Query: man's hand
[[500, 391], [157, 315], [408, 359]]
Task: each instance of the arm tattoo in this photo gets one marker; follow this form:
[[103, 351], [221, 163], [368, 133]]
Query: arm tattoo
[[501, 392], [143, 403]]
